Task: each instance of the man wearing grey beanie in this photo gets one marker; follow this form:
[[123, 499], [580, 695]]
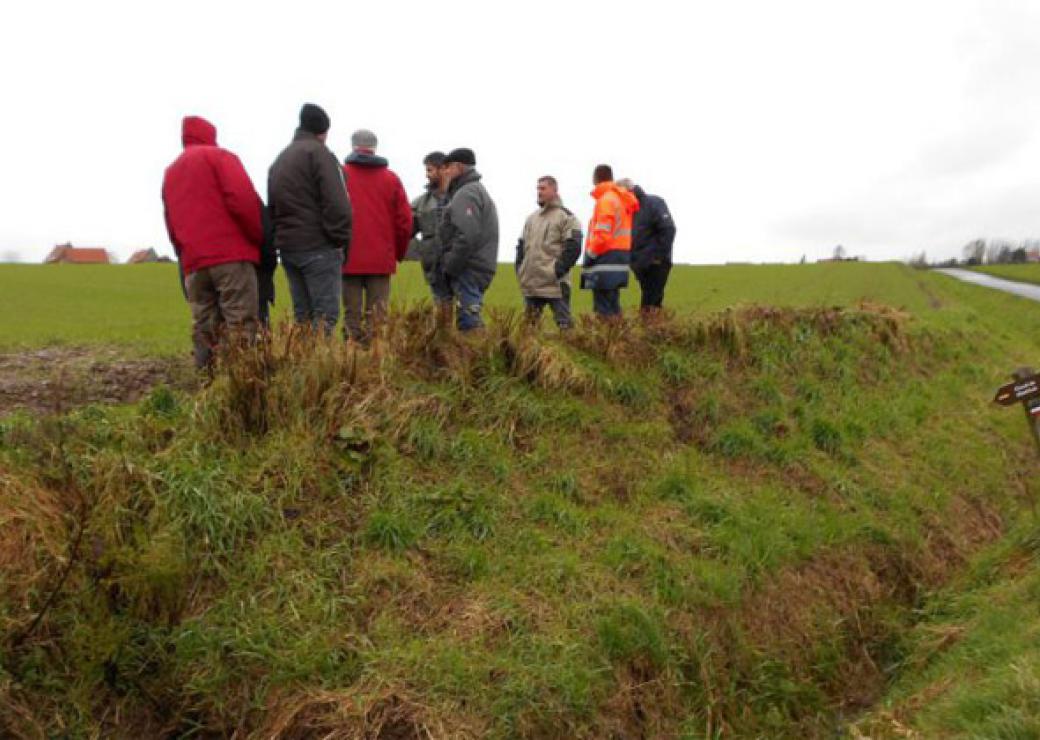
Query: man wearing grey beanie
[[382, 230], [311, 217]]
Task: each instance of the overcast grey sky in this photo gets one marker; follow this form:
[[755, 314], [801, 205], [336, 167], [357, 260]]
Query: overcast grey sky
[[773, 129]]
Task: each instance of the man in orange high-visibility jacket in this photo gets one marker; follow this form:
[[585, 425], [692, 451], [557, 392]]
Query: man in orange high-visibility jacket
[[605, 269]]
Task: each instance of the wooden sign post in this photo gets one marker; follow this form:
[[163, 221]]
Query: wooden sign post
[[1025, 390]]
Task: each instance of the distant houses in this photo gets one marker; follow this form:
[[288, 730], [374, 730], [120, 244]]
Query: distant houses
[[146, 255], [70, 255]]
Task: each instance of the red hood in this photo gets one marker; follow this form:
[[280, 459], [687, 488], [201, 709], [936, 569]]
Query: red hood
[[628, 198], [196, 131]]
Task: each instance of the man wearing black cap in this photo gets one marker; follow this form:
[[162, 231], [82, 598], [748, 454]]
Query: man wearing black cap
[[468, 238], [311, 216]]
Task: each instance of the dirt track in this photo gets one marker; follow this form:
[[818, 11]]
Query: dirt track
[[55, 379]]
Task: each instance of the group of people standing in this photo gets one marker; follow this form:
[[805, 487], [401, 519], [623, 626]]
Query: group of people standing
[[341, 230]]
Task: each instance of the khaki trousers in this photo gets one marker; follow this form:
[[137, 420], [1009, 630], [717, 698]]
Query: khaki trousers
[[225, 300], [366, 301]]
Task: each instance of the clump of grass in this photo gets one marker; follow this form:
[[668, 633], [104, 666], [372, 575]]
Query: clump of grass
[[738, 440], [827, 436], [627, 633], [391, 531], [161, 401]]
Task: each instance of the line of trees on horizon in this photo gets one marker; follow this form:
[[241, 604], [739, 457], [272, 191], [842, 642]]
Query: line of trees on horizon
[[986, 252]]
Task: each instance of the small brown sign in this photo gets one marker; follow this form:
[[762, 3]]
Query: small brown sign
[[1020, 390], [1024, 389]]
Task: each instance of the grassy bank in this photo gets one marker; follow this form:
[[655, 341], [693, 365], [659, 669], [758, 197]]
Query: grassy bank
[[1022, 273], [723, 525], [972, 664]]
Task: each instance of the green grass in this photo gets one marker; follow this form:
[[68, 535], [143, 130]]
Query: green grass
[[141, 307], [972, 665], [750, 523], [1029, 273]]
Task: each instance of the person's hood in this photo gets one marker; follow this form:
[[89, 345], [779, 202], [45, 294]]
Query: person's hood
[[197, 131], [470, 175], [640, 193], [628, 199], [364, 159], [554, 203]]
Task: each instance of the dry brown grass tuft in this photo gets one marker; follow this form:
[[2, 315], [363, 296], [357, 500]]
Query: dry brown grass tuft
[[34, 534], [296, 377], [367, 712]]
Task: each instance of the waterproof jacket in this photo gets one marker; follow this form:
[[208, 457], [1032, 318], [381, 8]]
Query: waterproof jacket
[[428, 211], [547, 250], [382, 216], [308, 197], [468, 233], [610, 238], [212, 210], [653, 232]]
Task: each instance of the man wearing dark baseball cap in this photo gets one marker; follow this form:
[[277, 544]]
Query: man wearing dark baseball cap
[[311, 216], [468, 238]]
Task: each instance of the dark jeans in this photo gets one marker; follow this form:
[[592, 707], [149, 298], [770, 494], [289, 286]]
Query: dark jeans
[[652, 280], [366, 300], [561, 307], [224, 300], [606, 302], [440, 289], [468, 291], [314, 282]]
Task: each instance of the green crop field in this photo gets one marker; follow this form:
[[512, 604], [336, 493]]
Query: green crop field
[[142, 308], [791, 510], [1029, 273]]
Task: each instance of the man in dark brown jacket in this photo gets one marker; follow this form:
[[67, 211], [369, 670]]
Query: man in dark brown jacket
[[311, 216]]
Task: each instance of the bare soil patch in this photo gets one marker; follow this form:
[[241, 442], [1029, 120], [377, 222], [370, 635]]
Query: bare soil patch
[[55, 379]]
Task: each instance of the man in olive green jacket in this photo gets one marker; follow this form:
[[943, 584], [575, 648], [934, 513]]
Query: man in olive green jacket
[[547, 250]]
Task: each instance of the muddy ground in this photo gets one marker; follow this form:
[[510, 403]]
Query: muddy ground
[[55, 379]]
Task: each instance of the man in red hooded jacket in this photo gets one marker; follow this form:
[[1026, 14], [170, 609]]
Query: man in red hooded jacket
[[382, 230], [213, 216]]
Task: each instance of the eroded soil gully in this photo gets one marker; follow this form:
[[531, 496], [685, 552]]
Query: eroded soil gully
[[56, 379]]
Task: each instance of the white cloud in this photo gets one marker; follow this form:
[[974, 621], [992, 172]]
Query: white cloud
[[773, 129]]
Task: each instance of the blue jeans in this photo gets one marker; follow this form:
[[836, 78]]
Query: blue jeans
[[468, 290], [314, 282]]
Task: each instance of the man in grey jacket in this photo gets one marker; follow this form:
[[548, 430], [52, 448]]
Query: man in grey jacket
[[427, 210], [468, 238], [311, 217]]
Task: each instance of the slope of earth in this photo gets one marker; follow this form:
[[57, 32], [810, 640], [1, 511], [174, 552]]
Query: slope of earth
[[1029, 273], [728, 524], [972, 665]]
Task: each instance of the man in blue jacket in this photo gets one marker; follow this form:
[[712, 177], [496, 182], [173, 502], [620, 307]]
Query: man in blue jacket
[[653, 233]]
